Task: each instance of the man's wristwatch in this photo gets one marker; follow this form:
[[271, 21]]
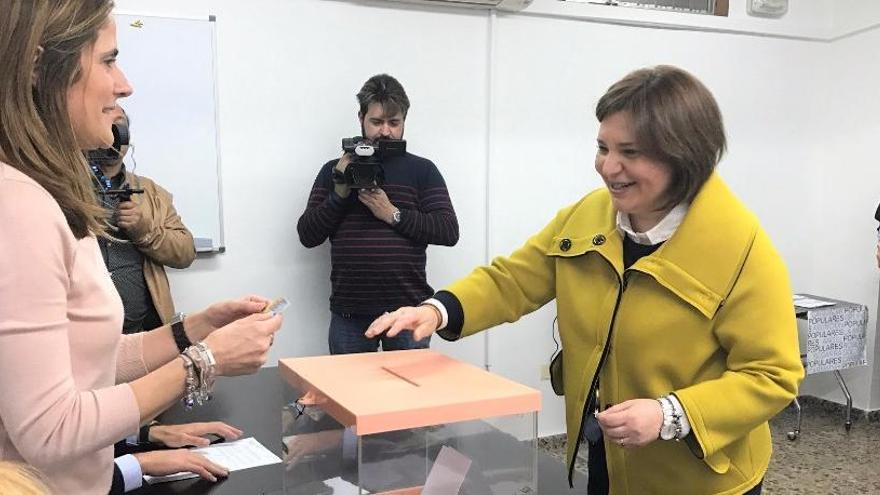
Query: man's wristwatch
[[395, 217], [337, 175], [180, 337]]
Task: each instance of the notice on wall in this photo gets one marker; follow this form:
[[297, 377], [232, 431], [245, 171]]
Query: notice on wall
[[836, 338]]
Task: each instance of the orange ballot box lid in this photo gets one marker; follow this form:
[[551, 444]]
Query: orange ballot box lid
[[375, 392]]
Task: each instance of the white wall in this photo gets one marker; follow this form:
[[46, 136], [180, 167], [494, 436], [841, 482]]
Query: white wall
[[287, 74], [288, 71], [844, 246], [851, 16]]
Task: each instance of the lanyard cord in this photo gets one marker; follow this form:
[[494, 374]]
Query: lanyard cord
[[103, 179]]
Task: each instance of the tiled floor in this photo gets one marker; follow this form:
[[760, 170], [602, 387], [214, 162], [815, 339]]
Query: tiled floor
[[825, 459]]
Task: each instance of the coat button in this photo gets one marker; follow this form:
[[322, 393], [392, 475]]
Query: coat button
[[598, 240], [565, 244]]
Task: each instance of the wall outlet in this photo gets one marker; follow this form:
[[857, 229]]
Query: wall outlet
[[545, 372]]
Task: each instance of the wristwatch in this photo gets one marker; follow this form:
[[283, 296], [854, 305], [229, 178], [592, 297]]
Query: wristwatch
[[667, 429], [337, 175], [180, 337], [395, 217]]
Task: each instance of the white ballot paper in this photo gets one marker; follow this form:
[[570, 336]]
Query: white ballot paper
[[340, 486], [448, 473], [234, 456], [809, 303]]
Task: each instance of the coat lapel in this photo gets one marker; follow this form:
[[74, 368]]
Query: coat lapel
[[701, 261]]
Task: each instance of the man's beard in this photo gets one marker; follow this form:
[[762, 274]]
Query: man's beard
[[373, 141]]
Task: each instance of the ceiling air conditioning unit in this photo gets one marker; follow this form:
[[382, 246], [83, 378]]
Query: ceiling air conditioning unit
[[509, 5]]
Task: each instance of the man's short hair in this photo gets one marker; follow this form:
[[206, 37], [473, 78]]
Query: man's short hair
[[385, 90], [676, 121]]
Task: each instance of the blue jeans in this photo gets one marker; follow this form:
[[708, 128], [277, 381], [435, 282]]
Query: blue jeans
[[347, 336]]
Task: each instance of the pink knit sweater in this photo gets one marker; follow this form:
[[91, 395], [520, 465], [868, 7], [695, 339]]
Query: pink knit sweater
[[62, 352]]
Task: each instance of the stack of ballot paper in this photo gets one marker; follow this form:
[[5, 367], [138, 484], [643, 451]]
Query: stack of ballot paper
[[234, 456]]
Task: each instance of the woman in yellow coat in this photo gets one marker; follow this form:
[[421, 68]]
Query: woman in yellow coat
[[675, 313]]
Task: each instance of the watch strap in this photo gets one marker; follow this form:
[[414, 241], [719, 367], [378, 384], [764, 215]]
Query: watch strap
[[180, 337], [144, 432]]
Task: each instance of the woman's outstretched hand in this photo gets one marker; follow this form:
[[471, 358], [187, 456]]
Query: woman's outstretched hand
[[422, 321]]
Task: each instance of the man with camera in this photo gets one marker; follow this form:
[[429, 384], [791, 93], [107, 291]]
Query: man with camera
[[152, 234], [380, 207]]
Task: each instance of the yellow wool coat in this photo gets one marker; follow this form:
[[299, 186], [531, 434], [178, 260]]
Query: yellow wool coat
[[708, 317]]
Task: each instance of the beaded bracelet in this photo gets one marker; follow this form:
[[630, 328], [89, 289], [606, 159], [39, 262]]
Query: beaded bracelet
[[189, 396], [673, 418], [203, 363], [666, 428], [676, 421], [210, 373]]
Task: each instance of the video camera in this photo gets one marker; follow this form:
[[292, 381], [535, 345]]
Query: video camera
[[104, 156], [365, 169]]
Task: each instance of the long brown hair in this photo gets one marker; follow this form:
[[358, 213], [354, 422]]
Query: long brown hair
[[19, 479], [677, 121], [41, 42]]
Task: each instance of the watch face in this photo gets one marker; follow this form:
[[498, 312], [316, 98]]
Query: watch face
[[396, 216], [667, 432], [337, 176]]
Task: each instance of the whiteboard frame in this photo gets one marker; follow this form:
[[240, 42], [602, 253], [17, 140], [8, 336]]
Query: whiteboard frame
[[218, 245]]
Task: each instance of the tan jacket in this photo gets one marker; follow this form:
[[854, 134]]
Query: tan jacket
[[708, 317], [162, 238]]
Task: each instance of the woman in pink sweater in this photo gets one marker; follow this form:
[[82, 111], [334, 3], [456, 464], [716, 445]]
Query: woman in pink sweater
[[70, 383]]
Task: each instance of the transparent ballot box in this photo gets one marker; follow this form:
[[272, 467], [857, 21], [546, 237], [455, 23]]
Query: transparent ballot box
[[406, 423]]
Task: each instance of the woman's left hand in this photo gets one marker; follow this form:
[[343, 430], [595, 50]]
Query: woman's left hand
[[633, 423], [192, 434], [200, 325]]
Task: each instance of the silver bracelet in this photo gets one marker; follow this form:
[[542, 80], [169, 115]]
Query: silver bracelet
[[667, 430], [676, 420], [205, 365], [189, 395], [209, 371]]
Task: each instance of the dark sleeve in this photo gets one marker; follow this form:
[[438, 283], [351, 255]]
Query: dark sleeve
[[121, 448], [324, 211], [455, 313], [877, 214], [434, 221], [117, 486]]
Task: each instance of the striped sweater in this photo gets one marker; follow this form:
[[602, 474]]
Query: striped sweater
[[376, 267]]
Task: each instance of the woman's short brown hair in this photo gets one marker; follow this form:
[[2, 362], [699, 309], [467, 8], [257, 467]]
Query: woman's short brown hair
[[676, 121]]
